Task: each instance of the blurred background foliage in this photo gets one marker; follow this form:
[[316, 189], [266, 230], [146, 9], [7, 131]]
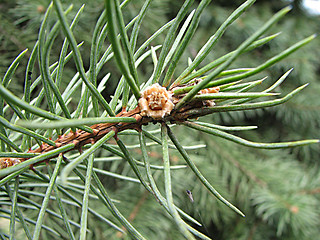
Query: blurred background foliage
[[279, 191]]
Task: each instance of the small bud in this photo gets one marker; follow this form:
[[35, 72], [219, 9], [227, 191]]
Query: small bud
[[155, 102]]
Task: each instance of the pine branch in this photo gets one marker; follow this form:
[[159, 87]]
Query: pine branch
[[135, 104]]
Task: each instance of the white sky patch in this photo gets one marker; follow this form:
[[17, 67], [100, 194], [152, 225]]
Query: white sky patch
[[312, 6]]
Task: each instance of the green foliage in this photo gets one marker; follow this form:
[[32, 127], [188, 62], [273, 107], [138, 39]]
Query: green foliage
[[73, 181]]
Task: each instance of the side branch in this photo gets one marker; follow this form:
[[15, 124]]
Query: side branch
[[156, 106]]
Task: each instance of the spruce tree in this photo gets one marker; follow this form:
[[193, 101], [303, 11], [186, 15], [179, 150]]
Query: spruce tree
[[144, 164]]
